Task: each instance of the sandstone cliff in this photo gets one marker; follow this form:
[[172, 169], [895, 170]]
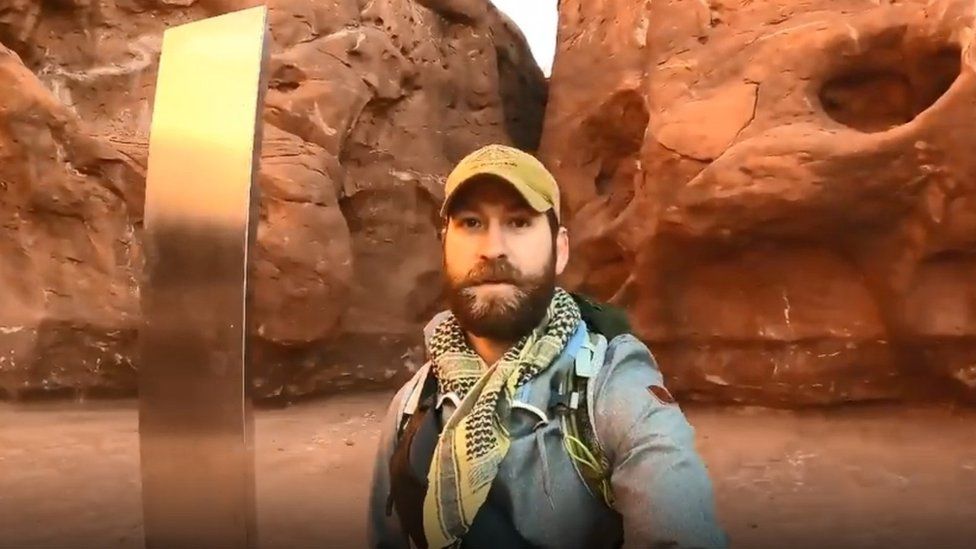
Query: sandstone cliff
[[782, 193], [371, 102]]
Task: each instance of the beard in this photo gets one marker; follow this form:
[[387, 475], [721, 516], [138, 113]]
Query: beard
[[502, 317]]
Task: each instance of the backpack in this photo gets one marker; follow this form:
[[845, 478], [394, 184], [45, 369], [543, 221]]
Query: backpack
[[605, 322], [570, 402]]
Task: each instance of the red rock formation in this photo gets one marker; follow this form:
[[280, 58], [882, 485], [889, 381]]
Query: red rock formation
[[783, 194], [69, 205], [370, 105]]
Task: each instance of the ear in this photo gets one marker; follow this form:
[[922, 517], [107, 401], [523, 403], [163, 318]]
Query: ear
[[562, 250]]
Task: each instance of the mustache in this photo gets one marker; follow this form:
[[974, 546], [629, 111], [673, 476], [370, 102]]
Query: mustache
[[495, 271]]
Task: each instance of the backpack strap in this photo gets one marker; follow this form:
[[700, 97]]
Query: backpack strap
[[415, 442], [422, 386], [579, 437], [590, 357]]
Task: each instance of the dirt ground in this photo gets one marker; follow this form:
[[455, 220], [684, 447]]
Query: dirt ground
[[858, 477]]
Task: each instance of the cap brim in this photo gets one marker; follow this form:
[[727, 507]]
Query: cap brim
[[534, 199]]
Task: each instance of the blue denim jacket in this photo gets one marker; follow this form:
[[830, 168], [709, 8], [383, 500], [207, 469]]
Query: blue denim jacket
[[661, 488]]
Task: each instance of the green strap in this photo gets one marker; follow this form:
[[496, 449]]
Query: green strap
[[579, 438]]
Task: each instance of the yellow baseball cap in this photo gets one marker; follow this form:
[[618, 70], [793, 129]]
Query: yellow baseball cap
[[522, 170]]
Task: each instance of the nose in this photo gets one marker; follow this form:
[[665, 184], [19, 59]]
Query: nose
[[493, 245]]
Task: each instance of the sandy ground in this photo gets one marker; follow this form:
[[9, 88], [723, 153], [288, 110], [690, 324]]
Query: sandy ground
[[859, 477]]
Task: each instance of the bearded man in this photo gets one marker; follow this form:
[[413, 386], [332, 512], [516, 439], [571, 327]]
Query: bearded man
[[535, 422]]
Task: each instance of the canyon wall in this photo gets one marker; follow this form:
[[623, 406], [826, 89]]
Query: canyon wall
[[370, 104], [782, 194]]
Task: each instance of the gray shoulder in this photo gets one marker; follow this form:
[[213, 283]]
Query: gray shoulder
[[626, 357], [626, 392], [407, 395]]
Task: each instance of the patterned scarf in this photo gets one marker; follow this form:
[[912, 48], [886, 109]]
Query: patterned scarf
[[474, 440]]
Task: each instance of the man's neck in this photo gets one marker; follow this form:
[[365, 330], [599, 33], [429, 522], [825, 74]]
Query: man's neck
[[489, 350]]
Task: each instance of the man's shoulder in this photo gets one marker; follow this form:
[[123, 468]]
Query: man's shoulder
[[416, 381], [628, 376], [626, 355], [629, 397], [408, 393]]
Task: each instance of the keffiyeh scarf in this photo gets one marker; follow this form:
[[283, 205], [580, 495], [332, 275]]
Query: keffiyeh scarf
[[474, 440]]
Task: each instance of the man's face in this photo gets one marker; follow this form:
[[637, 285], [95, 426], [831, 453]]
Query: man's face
[[500, 260]]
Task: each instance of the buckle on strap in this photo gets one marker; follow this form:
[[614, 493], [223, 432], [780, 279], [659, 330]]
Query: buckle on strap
[[561, 402], [590, 356]]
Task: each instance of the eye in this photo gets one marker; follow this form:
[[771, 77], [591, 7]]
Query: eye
[[469, 222], [520, 222]]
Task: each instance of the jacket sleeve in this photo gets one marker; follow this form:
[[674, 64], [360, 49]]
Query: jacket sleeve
[[660, 484], [383, 531]]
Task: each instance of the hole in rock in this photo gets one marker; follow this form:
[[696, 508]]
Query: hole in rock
[[57, 6], [881, 90], [603, 181], [286, 78], [618, 145]]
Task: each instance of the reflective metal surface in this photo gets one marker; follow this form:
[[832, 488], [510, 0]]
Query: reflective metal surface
[[196, 434]]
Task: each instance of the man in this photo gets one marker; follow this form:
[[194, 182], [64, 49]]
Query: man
[[488, 445]]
